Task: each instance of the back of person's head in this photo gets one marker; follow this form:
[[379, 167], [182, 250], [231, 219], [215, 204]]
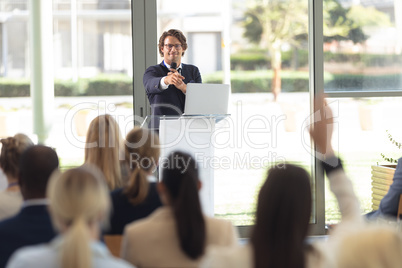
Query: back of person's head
[[142, 156], [370, 247], [79, 200], [175, 33], [282, 218], [36, 165], [11, 151], [102, 148], [180, 179]]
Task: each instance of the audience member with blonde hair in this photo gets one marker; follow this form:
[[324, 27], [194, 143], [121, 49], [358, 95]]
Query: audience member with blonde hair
[[177, 234], [139, 197], [78, 203], [11, 151], [102, 149]]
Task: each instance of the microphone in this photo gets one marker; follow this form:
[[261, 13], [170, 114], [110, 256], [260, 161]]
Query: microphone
[[173, 65]]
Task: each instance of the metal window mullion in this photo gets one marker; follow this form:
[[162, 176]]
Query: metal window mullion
[[144, 36], [316, 81]]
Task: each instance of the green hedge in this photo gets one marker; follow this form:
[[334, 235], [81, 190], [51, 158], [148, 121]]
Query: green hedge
[[260, 81], [349, 82], [66, 88], [14, 88], [259, 59], [242, 81], [102, 85], [249, 61], [364, 60], [109, 86]]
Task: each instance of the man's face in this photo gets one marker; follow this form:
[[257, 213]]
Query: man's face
[[172, 50]]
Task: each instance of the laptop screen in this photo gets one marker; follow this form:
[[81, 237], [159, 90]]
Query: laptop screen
[[205, 99]]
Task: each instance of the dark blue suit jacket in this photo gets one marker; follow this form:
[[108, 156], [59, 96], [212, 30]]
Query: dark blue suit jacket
[[171, 100], [389, 204], [124, 212], [32, 225]]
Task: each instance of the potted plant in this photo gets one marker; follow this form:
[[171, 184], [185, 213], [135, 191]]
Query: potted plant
[[382, 176]]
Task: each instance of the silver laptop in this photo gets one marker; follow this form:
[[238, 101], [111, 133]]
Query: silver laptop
[[206, 99]]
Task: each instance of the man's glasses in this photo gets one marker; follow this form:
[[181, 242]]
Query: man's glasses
[[170, 46]]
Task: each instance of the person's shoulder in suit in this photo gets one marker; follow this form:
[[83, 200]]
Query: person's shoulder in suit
[[7, 226], [186, 65], [159, 68], [398, 171], [389, 204], [124, 212], [20, 231], [152, 200], [192, 68], [193, 71], [35, 219]]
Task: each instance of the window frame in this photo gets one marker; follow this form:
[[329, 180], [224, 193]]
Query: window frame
[[144, 34]]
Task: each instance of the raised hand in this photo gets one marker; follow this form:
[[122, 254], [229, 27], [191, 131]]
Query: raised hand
[[321, 130]]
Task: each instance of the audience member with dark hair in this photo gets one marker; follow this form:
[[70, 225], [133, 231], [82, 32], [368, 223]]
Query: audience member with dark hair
[[283, 212], [177, 234], [139, 198], [11, 151], [78, 202], [32, 224], [102, 149], [281, 226]]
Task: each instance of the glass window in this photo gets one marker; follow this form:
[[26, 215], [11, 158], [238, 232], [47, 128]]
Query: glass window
[[362, 60], [270, 102], [92, 52], [261, 130], [363, 126], [362, 52]]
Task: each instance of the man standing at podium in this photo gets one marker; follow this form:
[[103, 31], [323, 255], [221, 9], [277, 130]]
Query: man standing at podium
[[166, 83]]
